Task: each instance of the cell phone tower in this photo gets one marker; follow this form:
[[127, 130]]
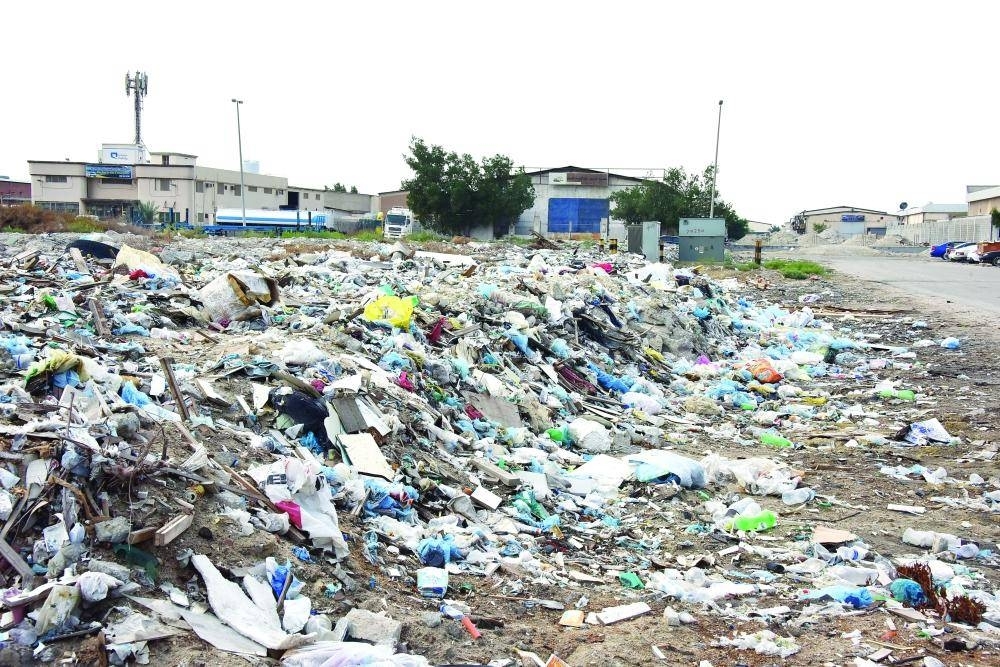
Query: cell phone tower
[[140, 85]]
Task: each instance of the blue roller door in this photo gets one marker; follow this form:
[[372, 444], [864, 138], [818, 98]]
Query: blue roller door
[[576, 215]]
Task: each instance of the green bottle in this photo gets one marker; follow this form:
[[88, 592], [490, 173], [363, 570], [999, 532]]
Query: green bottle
[[900, 394], [772, 439], [758, 522]]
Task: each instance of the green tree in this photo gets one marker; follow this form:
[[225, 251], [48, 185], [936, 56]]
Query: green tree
[[147, 211], [452, 193], [354, 189], [339, 187], [995, 219], [820, 227], [677, 195]]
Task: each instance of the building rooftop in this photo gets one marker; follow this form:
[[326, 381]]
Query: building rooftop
[[842, 209]]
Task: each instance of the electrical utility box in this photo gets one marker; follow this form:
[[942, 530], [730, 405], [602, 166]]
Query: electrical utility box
[[644, 239], [702, 239]]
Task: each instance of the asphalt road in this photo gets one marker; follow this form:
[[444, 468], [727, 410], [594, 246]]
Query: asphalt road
[[970, 286]]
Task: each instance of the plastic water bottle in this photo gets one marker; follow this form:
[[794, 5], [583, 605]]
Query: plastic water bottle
[[798, 496], [772, 439], [899, 394], [852, 553]]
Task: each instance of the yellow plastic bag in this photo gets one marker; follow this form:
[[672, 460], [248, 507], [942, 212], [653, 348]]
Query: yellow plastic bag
[[391, 309]]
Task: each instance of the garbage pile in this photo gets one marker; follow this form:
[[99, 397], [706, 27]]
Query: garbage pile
[[243, 441]]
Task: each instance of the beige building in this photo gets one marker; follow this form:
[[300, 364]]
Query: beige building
[[982, 199], [182, 190], [931, 212], [844, 220]]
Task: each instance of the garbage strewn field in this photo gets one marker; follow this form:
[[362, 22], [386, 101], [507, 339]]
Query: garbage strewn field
[[304, 452]]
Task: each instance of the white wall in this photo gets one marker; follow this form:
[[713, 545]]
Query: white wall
[[536, 218]]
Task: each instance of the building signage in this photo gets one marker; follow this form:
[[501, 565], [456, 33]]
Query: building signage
[[852, 217], [108, 171]]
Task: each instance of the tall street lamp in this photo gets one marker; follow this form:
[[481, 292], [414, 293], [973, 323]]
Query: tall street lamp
[[239, 138], [715, 169]]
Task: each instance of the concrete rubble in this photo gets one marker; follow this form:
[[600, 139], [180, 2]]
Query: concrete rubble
[[322, 454]]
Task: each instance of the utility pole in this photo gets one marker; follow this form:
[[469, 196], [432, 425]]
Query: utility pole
[[239, 138], [715, 169]]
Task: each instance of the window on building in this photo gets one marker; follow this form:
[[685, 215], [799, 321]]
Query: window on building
[[163, 184], [252, 188], [221, 187], [116, 181], [59, 206], [199, 186], [267, 191], [55, 179], [165, 159], [237, 190], [201, 217], [281, 192]]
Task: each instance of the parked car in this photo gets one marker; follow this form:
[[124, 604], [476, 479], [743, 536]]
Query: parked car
[[960, 253], [992, 257], [940, 249]]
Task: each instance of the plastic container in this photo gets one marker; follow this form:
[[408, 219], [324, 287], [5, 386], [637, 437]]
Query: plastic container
[[754, 522], [798, 496], [859, 576]]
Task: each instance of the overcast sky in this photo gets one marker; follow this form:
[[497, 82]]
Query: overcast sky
[[859, 103]]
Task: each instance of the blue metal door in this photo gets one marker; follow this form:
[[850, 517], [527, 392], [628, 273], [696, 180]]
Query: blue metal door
[[576, 215]]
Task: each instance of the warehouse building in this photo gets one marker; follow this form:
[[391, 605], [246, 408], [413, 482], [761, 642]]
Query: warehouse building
[[844, 220], [182, 190], [572, 200]]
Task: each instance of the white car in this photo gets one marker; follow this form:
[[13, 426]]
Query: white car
[[960, 253]]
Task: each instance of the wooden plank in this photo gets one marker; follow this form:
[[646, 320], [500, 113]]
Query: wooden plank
[[142, 535], [487, 468], [623, 612], [11, 555], [350, 415], [166, 363], [95, 310], [81, 263], [172, 529]]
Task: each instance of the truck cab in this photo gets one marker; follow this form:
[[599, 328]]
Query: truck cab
[[398, 223]]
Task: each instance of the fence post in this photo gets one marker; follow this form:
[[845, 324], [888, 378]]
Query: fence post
[[756, 251]]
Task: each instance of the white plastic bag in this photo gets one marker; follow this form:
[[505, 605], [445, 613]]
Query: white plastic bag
[[94, 586], [349, 654]]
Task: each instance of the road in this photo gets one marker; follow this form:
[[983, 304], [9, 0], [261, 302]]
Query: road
[[968, 286]]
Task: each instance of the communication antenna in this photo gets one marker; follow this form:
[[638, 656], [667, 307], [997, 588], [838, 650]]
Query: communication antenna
[[139, 84]]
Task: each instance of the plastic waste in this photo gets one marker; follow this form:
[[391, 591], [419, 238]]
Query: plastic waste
[[951, 343], [798, 496], [349, 654], [453, 612], [661, 466], [929, 539], [94, 586], [898, 394], [589, 435], [908, 592], [859, 598], [432, 582], [756, 522], [439, 551], [772, 439], [391, 309]]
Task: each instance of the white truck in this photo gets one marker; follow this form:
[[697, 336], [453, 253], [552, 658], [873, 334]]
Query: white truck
[[398, 223]]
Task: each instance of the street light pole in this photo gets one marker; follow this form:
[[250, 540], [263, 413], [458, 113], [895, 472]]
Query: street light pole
[[239, 138], [715, 169]]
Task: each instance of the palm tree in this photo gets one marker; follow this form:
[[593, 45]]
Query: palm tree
[[147, 212]]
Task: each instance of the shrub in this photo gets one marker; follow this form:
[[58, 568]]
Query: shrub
[[796, 269]]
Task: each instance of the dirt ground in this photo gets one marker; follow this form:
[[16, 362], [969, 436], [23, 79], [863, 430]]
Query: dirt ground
[[957, 387]]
